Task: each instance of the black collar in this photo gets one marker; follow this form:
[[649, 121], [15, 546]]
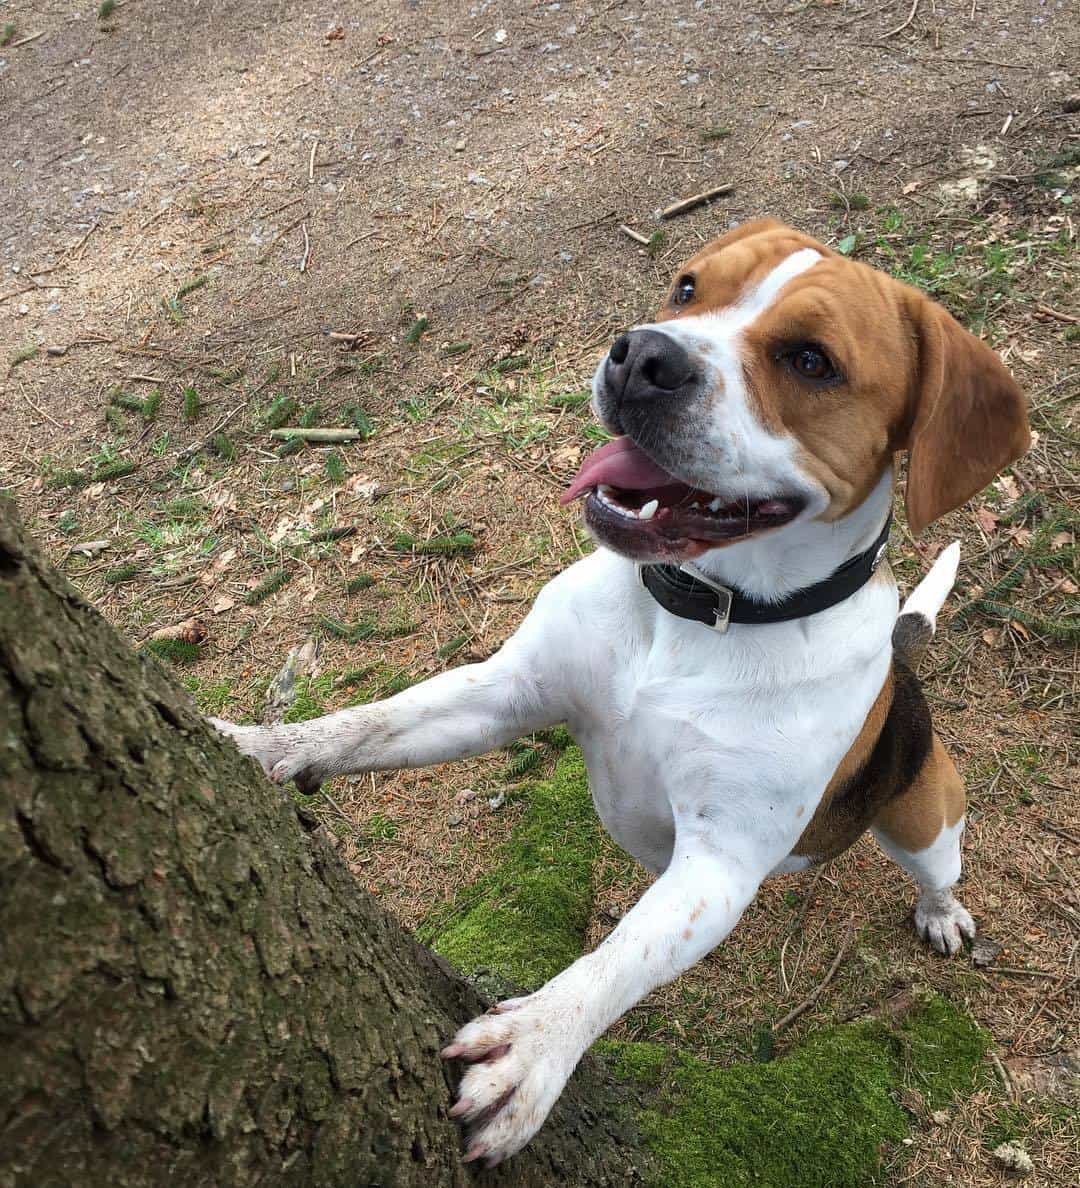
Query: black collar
[[696, 597]]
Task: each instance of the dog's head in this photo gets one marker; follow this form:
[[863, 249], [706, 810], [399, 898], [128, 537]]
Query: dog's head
[[775, 385]]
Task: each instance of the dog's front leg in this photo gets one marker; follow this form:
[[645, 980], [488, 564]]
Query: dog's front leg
[[522, 1052], [464, 712]]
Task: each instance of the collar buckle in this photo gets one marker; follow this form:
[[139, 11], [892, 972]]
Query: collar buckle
[[725, 597]]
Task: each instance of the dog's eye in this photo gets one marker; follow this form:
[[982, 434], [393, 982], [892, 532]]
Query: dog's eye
[[812, 363], [684, 290]]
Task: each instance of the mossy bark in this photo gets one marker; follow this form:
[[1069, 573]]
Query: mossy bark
[[193, 990]]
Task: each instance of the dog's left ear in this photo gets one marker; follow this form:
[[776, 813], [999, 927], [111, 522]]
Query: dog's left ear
[[967, 417]]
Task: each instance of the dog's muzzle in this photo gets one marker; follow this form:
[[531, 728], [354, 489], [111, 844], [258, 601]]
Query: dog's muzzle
[[645, 366]]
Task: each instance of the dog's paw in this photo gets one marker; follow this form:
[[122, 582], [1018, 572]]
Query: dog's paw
[[520, 1055], [284, 752], [943, 921]]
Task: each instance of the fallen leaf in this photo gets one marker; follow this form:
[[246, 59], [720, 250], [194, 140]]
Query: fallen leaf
[[1009, 488], [990, 637], [1022, 536], [987, 519], [1020, 629], [222, 605], [337, 33], [911, 187], [1061, 540]]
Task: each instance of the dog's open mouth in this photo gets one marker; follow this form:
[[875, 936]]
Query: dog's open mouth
[[642, 510]]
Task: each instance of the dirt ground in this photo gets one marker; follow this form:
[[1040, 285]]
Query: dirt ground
[[197, 198]]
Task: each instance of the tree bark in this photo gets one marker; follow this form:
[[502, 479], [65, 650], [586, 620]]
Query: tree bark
[[193, 989]]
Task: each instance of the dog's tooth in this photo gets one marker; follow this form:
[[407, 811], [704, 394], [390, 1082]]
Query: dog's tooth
[[649, 510]]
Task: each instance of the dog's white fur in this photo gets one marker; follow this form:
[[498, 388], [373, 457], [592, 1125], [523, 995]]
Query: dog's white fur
[[707, 753]]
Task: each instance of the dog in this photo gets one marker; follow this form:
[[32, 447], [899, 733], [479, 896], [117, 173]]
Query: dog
[[730, 659]]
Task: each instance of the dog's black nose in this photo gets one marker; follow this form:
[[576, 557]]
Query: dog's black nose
[[646, 364]]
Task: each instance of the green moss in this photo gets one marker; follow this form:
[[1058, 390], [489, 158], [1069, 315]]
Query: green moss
[[816, 1118], [526, 920], [943, 1050]]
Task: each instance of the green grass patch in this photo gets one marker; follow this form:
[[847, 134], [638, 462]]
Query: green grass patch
[[335, 467], [718, 133], [24, 354], [8, 33], [817, 1118], [105, 9], [526, 920]]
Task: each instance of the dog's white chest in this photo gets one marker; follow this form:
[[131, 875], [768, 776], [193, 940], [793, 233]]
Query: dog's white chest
[[737, 734]]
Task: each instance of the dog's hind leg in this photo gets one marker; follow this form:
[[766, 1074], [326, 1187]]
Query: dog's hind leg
[[921, 831]]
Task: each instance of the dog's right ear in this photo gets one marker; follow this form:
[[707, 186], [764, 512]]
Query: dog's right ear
[[967, 416]]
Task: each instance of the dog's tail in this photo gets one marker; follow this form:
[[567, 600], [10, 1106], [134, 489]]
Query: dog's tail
[[918, 616]]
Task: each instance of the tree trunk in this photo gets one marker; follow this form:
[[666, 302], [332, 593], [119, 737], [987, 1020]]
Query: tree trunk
[[193, 989]]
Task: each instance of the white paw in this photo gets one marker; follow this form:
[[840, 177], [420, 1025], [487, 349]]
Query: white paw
[[943, 921], [520, 1055], [284, 752]]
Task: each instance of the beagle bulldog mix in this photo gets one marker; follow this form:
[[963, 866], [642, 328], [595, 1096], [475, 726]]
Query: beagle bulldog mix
[[730, 659]]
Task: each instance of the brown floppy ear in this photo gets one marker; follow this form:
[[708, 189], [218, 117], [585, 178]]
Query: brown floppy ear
[[968, 417]]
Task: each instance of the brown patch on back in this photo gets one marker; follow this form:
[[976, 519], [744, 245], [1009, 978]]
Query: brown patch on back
[[819, 838], [935, 799]]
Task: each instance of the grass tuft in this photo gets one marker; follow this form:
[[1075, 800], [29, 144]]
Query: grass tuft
[[24, 354], [105, 9], [335, 467]]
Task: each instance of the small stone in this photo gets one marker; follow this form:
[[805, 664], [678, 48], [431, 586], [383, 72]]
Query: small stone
[[1071, 103], [499, 37], [56, 351], [496, 802], [459, 147], [940, 1117], [24, 309], [1014, 1158], [454, 819]]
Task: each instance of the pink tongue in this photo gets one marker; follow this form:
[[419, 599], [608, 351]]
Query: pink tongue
[[618, 464]]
